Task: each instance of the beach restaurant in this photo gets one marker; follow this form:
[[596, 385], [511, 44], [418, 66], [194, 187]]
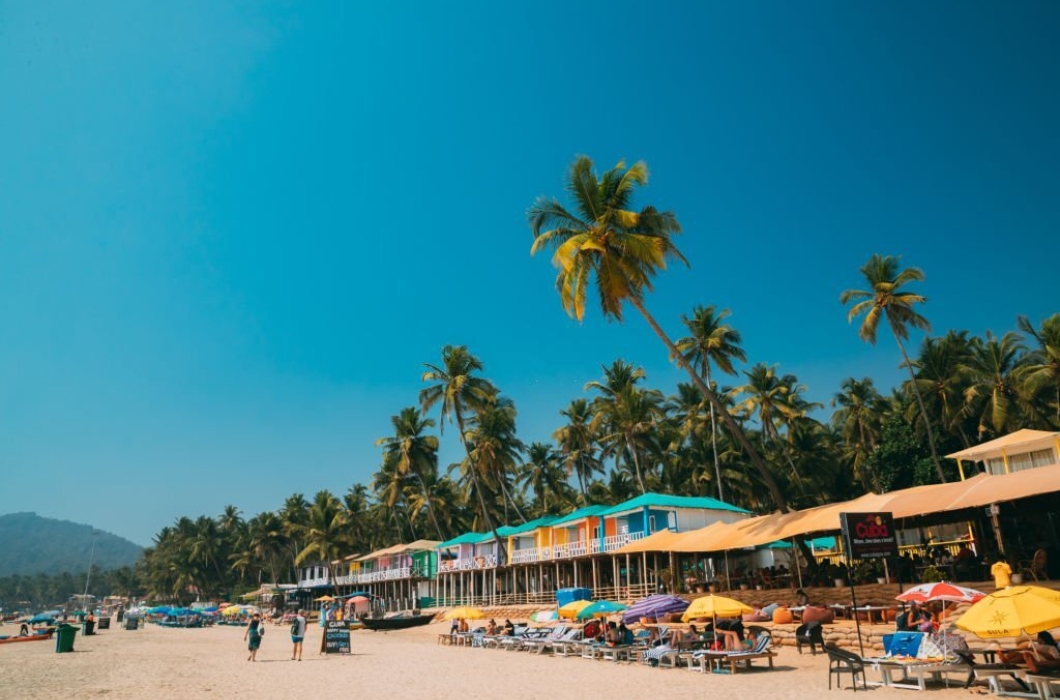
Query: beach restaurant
[[1005, 505]]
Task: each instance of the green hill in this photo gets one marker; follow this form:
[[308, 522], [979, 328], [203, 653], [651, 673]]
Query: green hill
[[32, 545]]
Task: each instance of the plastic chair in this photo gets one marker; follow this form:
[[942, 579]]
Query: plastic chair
[[841, 661], [809, 633]]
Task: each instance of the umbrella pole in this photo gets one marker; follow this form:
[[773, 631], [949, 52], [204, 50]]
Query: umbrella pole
[[795, 560]]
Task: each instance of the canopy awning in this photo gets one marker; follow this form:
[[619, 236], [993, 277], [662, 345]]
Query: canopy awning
[[1026, 440], [980, 490]]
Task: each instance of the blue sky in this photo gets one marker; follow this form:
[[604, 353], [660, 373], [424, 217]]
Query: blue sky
[[232, 233]]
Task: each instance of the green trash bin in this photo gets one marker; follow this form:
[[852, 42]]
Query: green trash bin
[[64, 638]]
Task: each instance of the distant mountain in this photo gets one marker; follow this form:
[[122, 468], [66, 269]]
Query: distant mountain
[[33, 545]]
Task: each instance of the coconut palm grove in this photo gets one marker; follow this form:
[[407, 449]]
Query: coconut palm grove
[[738, 429]]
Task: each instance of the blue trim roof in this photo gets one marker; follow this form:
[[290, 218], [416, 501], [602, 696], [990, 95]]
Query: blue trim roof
[[509, 530], [466, 538], [585, 512], [662, 500]]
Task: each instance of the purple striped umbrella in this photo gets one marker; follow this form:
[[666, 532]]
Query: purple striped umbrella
[[654, 606]]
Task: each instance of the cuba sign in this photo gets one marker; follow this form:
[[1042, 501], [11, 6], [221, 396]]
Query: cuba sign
[[869, 535]]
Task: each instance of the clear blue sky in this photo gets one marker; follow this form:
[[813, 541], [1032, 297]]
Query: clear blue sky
[[231, 233]]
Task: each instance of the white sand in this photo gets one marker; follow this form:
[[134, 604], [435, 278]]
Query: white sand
[[156, 662]]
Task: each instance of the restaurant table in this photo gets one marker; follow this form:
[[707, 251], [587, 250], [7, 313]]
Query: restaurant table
[[873, 612]]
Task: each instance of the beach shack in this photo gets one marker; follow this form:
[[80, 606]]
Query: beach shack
[[578, 549]]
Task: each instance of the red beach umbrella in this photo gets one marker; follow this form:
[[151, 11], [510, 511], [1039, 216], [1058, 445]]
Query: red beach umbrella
[[927, 592]]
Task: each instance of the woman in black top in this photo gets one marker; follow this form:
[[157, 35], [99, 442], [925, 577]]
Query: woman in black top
[[253, 636]]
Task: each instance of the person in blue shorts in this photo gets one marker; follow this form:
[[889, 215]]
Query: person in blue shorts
[[298, 635]]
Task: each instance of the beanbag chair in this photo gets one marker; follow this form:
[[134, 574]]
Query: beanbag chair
[[782, 616], [818, 613]]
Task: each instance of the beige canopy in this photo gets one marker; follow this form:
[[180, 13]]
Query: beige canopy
[[981, 490], [1026, 440]]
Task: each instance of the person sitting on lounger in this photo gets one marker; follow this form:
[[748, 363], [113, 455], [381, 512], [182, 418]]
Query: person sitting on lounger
[[1041, 654], [509, 628], [730, 634], [492, 628]]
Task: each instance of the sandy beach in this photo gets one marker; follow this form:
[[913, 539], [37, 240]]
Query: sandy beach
[[212, 662]]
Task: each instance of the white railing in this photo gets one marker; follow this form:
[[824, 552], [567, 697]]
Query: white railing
[[385, 575], [481, 562], [618, 541], [313, 582]]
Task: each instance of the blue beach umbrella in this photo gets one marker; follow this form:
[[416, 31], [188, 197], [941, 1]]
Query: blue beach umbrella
[[601, 608]]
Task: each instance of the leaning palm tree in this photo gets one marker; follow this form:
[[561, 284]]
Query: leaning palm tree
[[717, 343], [886, 299], [622, 250]]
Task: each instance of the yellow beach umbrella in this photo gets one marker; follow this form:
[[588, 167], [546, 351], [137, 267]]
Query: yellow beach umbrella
[[1013, 611], [715, 606], [464, 612], [232, 610], [571, 609], [324, 599]]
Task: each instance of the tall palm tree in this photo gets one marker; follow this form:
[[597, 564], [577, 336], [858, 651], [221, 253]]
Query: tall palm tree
[[495, 449], [267, 542], [459, 394], [390, 487], [622, 250], [294, 513], [858, 419], [413, 453], [1041, 371], [886, 299], [627, 424], [777, 400], [577, 444], [992, 395], [544, 477], [711, 342], [942, 378], [324, 531]]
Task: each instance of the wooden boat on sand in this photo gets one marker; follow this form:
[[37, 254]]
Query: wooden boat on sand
[[396, 622]]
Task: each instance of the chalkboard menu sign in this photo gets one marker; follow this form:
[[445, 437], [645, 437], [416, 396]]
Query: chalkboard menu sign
[[336, 637]]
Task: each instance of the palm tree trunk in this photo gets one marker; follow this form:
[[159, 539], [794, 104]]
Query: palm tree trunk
[[732, 425], [923, 410], [714, 437], [511, 499], [478, 491], [636, 467]]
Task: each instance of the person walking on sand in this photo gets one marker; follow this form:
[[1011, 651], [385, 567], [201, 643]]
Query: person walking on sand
[[253, 636], [298, 635]]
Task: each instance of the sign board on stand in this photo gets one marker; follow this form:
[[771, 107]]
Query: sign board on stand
[[869, 535], [336, 637]]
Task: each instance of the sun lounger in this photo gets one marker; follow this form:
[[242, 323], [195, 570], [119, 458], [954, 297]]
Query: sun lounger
[[553, 643], [537, 643], [617, 652], [717, 660]]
